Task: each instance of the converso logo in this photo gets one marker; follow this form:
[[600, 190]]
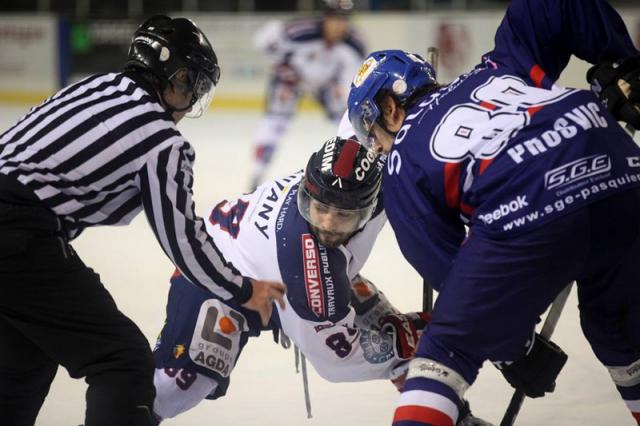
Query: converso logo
[[577, 170], [312, 278]]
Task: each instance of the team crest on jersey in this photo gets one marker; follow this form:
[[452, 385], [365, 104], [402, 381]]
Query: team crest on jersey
[[312, 277], [377, 347], [365, 70]]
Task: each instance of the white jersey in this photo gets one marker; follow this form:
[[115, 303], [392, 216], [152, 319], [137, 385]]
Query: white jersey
[[265, 237], [300, 44]]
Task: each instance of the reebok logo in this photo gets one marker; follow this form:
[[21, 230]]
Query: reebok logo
[[505, 209]]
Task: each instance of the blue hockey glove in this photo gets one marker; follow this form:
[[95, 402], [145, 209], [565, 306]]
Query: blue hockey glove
[[604, 78], [535, 374]]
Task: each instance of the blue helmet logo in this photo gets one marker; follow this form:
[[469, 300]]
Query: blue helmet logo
[[398, 72]]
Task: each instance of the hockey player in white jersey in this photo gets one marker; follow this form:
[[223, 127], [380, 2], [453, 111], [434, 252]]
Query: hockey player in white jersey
[[317, 56], [314, 231], [289, 228]]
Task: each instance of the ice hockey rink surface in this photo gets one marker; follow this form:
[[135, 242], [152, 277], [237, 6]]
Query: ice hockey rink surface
[[265, 389]]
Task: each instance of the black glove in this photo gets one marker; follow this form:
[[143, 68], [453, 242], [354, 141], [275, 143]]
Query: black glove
[[603, 79], [535, 373], [465, 418]]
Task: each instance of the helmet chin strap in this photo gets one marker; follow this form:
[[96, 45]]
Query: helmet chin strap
[[381, 120], [382, 123]]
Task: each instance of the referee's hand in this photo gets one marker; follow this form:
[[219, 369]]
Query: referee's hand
[[264, 293]]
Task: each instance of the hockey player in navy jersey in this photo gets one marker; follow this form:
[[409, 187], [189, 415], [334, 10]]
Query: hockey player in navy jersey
[[316, 237], [544, 178], [316, 56]]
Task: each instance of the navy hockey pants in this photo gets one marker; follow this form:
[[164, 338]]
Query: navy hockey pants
[[54, 311], [500, 285]]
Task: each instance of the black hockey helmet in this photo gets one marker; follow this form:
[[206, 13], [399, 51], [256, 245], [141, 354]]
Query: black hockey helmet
[[164, 45], [342, 176]]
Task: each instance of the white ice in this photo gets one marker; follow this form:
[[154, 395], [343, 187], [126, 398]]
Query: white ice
[[264, 387]]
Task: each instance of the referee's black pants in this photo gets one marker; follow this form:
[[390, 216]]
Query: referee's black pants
[[54, 311]]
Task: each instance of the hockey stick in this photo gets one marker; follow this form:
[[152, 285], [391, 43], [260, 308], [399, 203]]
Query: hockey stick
[[301, 360], [547, 330], [630, 130], [432, 58], [427, 290]]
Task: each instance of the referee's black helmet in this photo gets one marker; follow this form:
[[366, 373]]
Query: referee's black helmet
[[164, 45]]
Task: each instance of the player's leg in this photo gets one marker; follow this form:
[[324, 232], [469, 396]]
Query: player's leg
[[62, 308], [609, 294], [178, 390], [281, 102], [486, 310], [198, 347]]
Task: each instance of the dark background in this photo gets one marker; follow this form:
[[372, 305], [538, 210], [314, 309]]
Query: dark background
[[139, 8]]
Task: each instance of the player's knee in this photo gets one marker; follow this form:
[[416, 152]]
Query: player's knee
[[179, 390], [166, 404]]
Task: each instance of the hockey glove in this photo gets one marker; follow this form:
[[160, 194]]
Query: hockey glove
[[404, 330], [465, 418], [604, 80], [536, 373]]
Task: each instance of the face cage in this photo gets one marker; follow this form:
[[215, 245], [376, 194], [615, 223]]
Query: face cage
[[362, 118], [203, 91], [304, 208]]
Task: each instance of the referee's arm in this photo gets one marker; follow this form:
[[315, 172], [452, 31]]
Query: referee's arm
[[166, 190]]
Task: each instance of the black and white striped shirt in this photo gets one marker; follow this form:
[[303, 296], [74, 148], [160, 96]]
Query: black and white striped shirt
[[101, 150]]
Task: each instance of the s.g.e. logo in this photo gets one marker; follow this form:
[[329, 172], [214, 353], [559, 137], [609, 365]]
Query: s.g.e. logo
[[577, 170]]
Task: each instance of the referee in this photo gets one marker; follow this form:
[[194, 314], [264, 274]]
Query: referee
[[97, 153]]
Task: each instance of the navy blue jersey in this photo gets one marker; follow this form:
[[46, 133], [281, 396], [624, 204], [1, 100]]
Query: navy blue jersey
[[502, 149]]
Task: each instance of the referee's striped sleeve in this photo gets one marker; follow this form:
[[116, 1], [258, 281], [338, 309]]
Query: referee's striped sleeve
[[166, 191]]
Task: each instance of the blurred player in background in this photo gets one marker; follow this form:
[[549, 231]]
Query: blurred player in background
[[97, 153], [316, 56], [313, 230], [547, 182]]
